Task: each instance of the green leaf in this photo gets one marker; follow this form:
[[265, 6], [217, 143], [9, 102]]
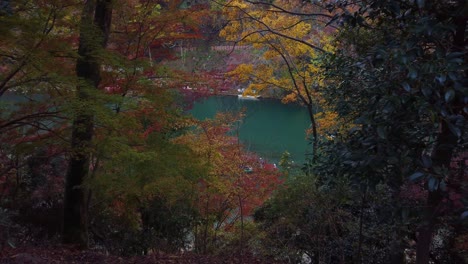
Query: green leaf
[[453, 55], [460, 87], [426, 161], [432, 184], [407, 12], [362, 120], [454, 129], [389, 108], [406, 86], [11, 244], [443, 185], [381, 132], [438, 170], [453, 76], [464, 215], [449, 95], [404, 59], [417, 176], [426, 91], [412, 74], [444, 112], [441, 78], [457, 60]]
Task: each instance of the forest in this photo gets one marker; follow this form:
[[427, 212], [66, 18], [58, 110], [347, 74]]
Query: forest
[[101, 160]]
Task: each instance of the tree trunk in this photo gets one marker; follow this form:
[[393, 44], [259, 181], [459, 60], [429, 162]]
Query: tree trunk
[[442, 154], [441, 157], [313, 123], [95, 21]]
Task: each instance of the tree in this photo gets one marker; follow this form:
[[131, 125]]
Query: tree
[[395, 80], [94, 33], [119, 77], [291, 45], [403, 87], [103, 86], [35, 69], [143, 190], [236, 183]]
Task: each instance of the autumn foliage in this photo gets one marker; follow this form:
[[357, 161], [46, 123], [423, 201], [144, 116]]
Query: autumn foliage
[[94, 100], [237, 182]]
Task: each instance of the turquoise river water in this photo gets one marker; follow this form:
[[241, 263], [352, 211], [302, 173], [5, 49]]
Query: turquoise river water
[[269, 127]]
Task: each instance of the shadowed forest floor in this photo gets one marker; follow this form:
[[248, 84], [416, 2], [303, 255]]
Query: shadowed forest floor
[[70, 254]]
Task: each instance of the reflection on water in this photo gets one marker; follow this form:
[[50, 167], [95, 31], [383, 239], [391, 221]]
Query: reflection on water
[[269, 127]]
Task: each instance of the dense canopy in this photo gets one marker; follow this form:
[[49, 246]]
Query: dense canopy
[[98, 148]]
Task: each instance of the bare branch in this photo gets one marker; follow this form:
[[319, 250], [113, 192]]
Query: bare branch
[[5, 126], [282, 10], [274, 32]]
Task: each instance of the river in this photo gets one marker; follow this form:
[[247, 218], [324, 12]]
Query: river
[[269, 127]]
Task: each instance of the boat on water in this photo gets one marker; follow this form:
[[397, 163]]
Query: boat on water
[[248, 97]]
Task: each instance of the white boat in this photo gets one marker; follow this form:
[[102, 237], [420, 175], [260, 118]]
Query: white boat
[[248, 97]]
